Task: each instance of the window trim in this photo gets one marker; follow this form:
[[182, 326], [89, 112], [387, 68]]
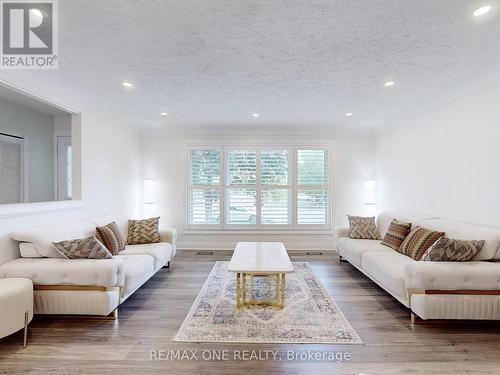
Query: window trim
[[292, 186]]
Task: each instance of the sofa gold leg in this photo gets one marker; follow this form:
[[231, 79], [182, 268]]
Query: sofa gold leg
[[25, 339], [413, 318], [115, 313]]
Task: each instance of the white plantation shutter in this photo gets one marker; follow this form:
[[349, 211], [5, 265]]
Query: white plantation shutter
[[275, 207], [205, 167], [242, 206], [274, 167], [311, 167], [312, 194], [242, 167], [11, 169], [258, 187], [204, 188], [205, 206], [312, 207]]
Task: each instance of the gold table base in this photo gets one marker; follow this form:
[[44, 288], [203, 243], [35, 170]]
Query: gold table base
[[279, 289]]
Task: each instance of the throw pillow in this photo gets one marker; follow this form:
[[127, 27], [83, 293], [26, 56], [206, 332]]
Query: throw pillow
[[83, 248], [449, 249], [363, 228], [396, 234], [418, 241], [143, 231], [111, 237]]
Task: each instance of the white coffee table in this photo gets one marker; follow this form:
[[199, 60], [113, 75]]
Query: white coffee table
[[254, 259]]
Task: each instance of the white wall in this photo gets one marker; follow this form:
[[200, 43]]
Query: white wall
[[446, 162], [37, 129], [110, 176], [163, 159]]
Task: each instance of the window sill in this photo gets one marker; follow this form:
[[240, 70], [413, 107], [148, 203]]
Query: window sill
[[260, 232]]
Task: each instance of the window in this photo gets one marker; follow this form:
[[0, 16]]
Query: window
[[258, 187], [11, 169]]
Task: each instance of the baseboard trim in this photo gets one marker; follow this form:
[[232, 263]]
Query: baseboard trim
[[216, 246]]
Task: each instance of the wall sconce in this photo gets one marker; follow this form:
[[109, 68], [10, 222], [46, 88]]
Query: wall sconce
[[370, 197], [149, 197]]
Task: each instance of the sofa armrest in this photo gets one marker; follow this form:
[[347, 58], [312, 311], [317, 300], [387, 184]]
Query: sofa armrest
[[168, 235], [340, 232], [53, 271], [452, 275]]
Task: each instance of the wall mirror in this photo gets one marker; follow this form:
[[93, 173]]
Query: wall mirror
[[39, 149]]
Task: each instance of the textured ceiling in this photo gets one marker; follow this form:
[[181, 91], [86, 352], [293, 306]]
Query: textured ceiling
[[300, 64]]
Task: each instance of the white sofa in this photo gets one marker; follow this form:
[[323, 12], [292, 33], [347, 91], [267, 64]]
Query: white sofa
[[432, 290], [84, 286]]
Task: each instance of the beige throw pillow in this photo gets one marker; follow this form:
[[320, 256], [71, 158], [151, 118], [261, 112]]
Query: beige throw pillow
[[363, 228], [143, 231]]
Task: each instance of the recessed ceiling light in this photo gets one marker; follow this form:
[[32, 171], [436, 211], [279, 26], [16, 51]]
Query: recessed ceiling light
[[348, 114], [127, 84], [256, 115], [482, 10], [164, 113], [389, 83]]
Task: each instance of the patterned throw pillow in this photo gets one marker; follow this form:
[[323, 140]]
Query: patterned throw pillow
[[363, 228], [143, 231], [449, 249], [418, 241], [83, 248], [396, 234], [111, 237]]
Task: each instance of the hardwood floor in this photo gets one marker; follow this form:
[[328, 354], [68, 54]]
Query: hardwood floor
[[150, 318]]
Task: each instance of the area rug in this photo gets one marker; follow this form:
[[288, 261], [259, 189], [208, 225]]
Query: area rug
[[309, 315]]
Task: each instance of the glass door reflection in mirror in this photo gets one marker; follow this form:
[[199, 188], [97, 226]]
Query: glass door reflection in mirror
[[12, 189], [64, 168]]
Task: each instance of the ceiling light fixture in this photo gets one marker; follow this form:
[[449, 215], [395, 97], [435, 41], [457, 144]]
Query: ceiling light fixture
[[127, 84], [348, 114], [164, 113], [482, 10], [389, 83], [256, 115]]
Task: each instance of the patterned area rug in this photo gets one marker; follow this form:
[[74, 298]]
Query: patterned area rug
[[309, 315]]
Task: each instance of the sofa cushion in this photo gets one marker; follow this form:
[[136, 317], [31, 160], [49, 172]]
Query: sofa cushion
[[29, 250], [161, 252], [453, 275], [51, 271], [388, 270], [83, 248], [43, 237], [143, 231], [418, 241], [363, 228], [396, 234], [385, 218], [138, 269], [452, 250], [353, 249]]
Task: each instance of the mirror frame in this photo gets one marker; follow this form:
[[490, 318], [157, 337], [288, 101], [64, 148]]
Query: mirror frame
[[22, 209]]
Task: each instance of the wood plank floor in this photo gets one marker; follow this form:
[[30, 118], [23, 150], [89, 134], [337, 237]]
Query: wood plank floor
[[151, 317]]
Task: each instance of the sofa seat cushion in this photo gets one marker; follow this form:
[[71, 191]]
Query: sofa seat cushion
[[353, 249], [161, 252], [52, 271], [453, 275], [138, 269], [388, 270]]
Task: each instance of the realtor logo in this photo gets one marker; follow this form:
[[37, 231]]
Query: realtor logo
[[29, 34]]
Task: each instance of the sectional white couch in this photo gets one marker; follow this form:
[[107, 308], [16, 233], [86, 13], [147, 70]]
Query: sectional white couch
[[432, 290], [84, 286]]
